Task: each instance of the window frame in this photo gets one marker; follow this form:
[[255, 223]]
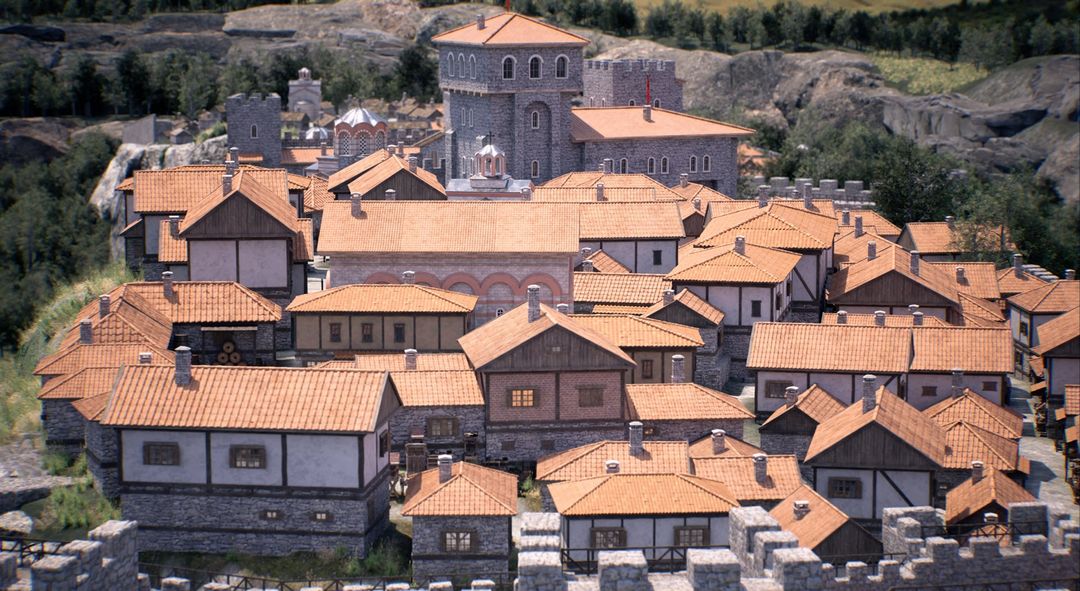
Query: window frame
[[706, 163], [458, 549], [367, 332], [591, 396], [836, 488], [928, 392], [651, 165], [254, 131], [433, 427], [534, 120], [656, 103], [693, 164], [515, 395], [472, 66], [680, 530], [539, 62], [564, 62], [461, 65], [171, 447], [993, 386], [597, 534], [755, 308], [384, 443], [657, 257], [624, 166], [512, 62], [257, 460], [322, 516], [777, 389], [1025, 328], [399, 332], [534, 169], [779, 301], [663, 165], [271, 514], [647, 369], [335, 332]]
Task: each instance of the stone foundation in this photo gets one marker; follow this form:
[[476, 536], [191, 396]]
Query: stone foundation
[[490, 553], [786, 444], [413, 419], [692, 430], [531, 442], [65, 428]]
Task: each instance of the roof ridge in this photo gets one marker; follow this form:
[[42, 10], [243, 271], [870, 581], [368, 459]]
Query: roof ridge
[[974, 430], [693, 480], [484, 491]]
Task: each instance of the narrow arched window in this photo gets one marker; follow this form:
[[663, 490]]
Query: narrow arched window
[[693, 164], [656, 103], [663, 165], [560, 66], [508, 68], [472, 67], [603, 102], [632, 102], [652, 166], [461, 65], [449, 65], [344, 144], [254, 131], [534, 66], [535, 119], [706, 164], [623, 166], [534, 169]]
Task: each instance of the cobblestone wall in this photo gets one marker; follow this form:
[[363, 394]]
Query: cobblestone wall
[[413, 419], [693, 430], [536, 441], [102, 452], [64, 427], [489, 555], [614, 83], [787, 444]]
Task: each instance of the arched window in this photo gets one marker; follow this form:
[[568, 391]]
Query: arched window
[[254, 131], [362, 144], [623, 166], [663, 165], [560, 66], [652, 165], [461, 65], [449, 65], [469, 116], [592, 102], [344, 144], [499, 312], [656, 103], [706, 164], [534, 66], [508, 68], [632, 103], [534, 118], [603, 102], [693, 164], [380, 140], [472, 67], [534, 169]]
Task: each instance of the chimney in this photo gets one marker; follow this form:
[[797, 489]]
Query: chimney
[[669, 296], [960, 274], [86, 332], [174, 226], [534, 302], [608, 165], [858, 226], [871, 249], [412, 164], [585, 252], [234, 160], [845, 217], [563, 308], [146, 358], [913, 308], [526, 193], [401, 149], [1070, 274], [1018, 265], [167, 285], [226, 184], [807, 197], [990, 517], [357, 205], [410, 359], [599, 191], [587, 266], [719, 444], [951, 222], [183, 366], [879, 318], [761, 468], [740, 245], [976, 471], [408, 277], [801, 509], [611, 466], [322, 148], [684, 179], [957, 382], [791, 395], [678, 369], [869, 385], [841, 317], [697, 203], [103, 306], [914, 262], [917, 318], [637, 434], [446, 467], [391, 195], [391, 148], [646, 113], [763, 195], [480, 24]]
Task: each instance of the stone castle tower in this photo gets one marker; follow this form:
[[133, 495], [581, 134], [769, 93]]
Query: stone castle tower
[[510, 80], [616, 83], [254, 126]]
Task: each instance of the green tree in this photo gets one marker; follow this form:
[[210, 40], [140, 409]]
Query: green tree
[[1041, 38], [84, 86], [133, 82], [793, 23], [416, 73], [48, 93], [198, 87]]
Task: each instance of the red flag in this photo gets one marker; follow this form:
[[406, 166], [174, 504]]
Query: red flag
[[507, 5], [648, 92]]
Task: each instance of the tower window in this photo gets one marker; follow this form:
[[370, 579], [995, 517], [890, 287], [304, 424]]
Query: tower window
[[693, 164], [508, 68], [472, 66], [656, 103], [461, 65], [534, 169], [450, 65], [706, 164], [534, 66], [652, 166], [254, 131], [632, 103], [560, 66], [535, 119], [663, 165], [623, 166]]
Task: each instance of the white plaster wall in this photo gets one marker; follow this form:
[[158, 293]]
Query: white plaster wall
[[749, 294], [806, 268], [1036, 321], [264, 263], [669, 252], [943, 382], [212, 260], [837, 384], [192, 468], [1061, 371], [223, 473], [1016, 315], [862, 508], [914, 485], [764, 404], [383, 460], [723, 297], [894, 310], [371, 450], [330, 461]]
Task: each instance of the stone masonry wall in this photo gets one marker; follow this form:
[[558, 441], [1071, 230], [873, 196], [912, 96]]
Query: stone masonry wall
[[736, 346], [786, 444], [64, 427], [243, 112], [102, 451], [617, 82], [723, 174], [409, 419], [711, 367], [534, 441], [692, 430], [490, 553], [255, 347]]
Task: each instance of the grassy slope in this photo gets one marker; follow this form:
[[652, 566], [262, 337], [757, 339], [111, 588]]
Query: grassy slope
[[923, 75], [872, 6]]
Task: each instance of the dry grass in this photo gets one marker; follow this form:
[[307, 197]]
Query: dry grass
[[920, 75], [872, 6]]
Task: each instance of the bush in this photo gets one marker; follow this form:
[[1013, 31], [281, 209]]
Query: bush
[[79, 506], [217, 130]]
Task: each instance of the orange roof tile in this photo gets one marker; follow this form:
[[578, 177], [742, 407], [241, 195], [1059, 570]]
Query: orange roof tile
[[722, 264], [965, 443], [383, 171], [580, 195], [300, 156], [449, 226], [815, 402], [872, 222], [980, 279], [782, 476], [508, 29], [202, 302], [619, 309], [813, 528], [396, 362], [620, 288], [248, 398], [630, 221], [87, 382], [974, 350], [472, 490], [894, 415], [895, 260], [635, 332], [91, 407], [244, 186], [384, 298], [123, 324], [438, 388], [682, 402], [316, 195], [775, 225], [176, 190], [1009, 284], [970, 498], [978, 312], [590, 461], [1059, 331], [798, 346], [341, 178], [733, 448], [610, 180], [509, 331], [81, 356], [171, 248], [641, 494], [603, 263], [593, 124], [1072, 399], [897, 320], [939, 238], [698, 191], [687, 298], [973, 409], [1052, 298], [849, 249]]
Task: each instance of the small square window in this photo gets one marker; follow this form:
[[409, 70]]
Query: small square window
[[755, 308], [590, 396], [691, 536], [335, 332], [521, 398], [1023, 328], [441, 427], [929, 391], [657, 257], [547, 444], [247, 457], [608, 537], [990, 386], [776, 388], [367, 332], [271, 514], [399, 332], [647, 369], [322, 516], [161, 454], [509, 445], [650, 431], [845, 488], [458, 541]]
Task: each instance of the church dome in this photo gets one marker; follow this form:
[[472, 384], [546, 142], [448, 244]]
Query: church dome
[[358, 115], [491, 150], [317, 133]]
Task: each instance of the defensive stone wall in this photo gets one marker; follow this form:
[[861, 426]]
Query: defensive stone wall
[[612, 83], [851, 194]]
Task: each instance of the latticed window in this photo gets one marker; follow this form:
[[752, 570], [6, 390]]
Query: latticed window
[[380, 140], [344, 144], [691, 537], [362, 144], [776, 388], [161, 454], [247, 456], [458, 541], [845, 488], [608, 537], [522, 398], [441, 427]]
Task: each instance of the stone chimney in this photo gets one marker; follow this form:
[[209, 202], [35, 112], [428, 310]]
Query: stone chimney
[[684, 179], [871, 250], [913, 308], [526, 193], [608, 164], [740, 245], [1018, 265], [869, 385], [845, 217], [960, 277], [446, 467], [146, 358], [322, 148], [1070, 274], [761, 468], [534, 302], [763, 195], [167, 285], [669, 296], [791, 395], [914, 262], [480, 24], [719, 443], [587, 266], [410, 359], [951, 222], [697, 203], [858, 226], [611, 466], [183, 366], [841, 317], [174, 226], [86, 331], [678, 369], [637, 436], [226, 183], [879, 318], [646, 113], [585, 252], [401, 149], [412, 164], [391, 149], [563, 308], [234, 156], [357, 205], [917, 318], [801, 509], [103, 306], [391, 195], [807, 197], [599, 191], [957, 386], [408, 277], [976, 471]]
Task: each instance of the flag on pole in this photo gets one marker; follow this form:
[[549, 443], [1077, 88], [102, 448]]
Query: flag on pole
[[648, 90], [507, 5]]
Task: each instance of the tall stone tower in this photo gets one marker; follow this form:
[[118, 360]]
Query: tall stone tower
[[510, 79], [254, 126]]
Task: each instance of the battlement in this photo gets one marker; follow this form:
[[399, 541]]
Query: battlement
[[632, 65], [254, 100], [852, 194]]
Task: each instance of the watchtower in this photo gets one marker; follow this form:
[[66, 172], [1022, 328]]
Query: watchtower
[[254, 126], [620, 83]]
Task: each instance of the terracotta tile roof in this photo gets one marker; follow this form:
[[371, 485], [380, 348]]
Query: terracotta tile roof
[[775, 225], [970, 498], [1038, 368], [438, 388], [981, 313], [472, 490], [974, 350], [620, 288], [781, 479], [383, 171], [849, 249], [126, 185], [589, 461], [939, 238], [965, 443], [384, 298], [202, 302], [171, 249], [396, 362], [300, 156], [872, 222], [449, 226], [894, 415], [798, 346], [1072, 399], [1052, 298], [135, 229], [733, 448], [627, 221], [316, 195], [815, 402], [338, 181], [125, 323], [682, 402], [581, 195], [619, 309], [81, 356], [813, 528], [894, 260], [1009, 284], [1059, 331], [91, 407], [509, 331], [603, 263], [176, 190], [698, 191], [251, 158], [899, 320], [693, 302], [642, 494], [510, 28], [721, 208], [610, 180], [248, 398], [245, 185], [593, 124], [87, 382], [304, 241], [1072, 434], [757, 265], [973, 409], [980, 279], [635, 332]]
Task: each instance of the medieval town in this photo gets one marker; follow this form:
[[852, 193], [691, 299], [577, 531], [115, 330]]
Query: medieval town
[[554, 332]]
